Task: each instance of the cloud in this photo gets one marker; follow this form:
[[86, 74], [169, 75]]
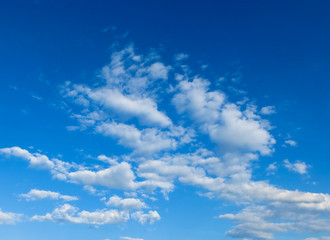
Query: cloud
[[316, 238], [126, 203], [143, 218], [35, 194], [144, 141], [35, 160], [119, 176], [9, 218], [194, 99], [291, 143], [238, 128], [268, 110], [128, 104], [145, 109], [228, 126], [68, 213], [130, 238], [181, 57], [272, 168], [298, 166], [129, 78]]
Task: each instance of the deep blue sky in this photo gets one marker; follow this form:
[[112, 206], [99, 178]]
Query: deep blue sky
[[277, 52]]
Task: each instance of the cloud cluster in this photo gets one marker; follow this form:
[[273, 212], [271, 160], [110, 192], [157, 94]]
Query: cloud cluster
[[297, 166], [71, 214], [9, 218], [169, 119], [35, 194]]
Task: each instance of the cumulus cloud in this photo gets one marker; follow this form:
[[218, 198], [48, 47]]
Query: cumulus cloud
[[291, 143], [228, 126], [297, 166], [35, 160], [128, 106], [35, 194], [9, 217], [144, 141], [71, 214], [126, 203], [238, 128], [268, 110], [119, 176], [150, 217]]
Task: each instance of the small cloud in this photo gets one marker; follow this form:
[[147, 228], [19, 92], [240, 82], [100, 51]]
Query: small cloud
[[181, 57], [204, 67], [36, 194], [72, 128], [130, 238], [272, 168], [37, 97], [297, 166], [268, 110], [109, 28], [290, 143]]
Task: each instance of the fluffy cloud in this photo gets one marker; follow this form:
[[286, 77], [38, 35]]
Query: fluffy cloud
[[58, 168], [143, 218], [228, 126], [147, 141], [118, 176], [128, 105], [128, 77], [145, 109], [35, 194], [68, 213], [298, 166], [35, 160], [291, 143], [238, 128], [268, 110], [126, 203], [9, 218]]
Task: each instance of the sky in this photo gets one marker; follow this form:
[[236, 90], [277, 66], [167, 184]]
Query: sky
[[157, 120]]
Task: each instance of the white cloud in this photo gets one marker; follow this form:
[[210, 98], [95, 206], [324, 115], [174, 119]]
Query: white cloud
[[127, 105], [35, 160], [130, 238], [145, 109], [119, 176], [158, 71], [268, 110], [143, 218], [298, 166], [230, 127], [195, 99], [68, 213], [126, 203], [35, 194], [272, 168], [127, 92], [9, 218], [238, 128], [144, 141], [291, 143], [181, 57]]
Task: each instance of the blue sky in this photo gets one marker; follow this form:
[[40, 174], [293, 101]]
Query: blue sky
[[150, 120]]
